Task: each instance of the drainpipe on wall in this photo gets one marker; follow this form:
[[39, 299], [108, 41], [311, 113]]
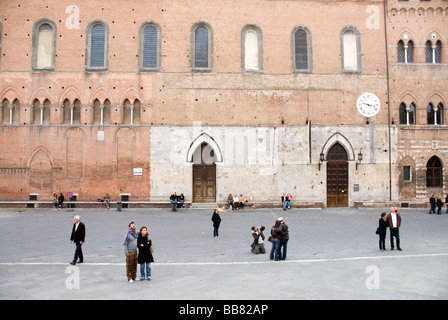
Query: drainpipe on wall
[[388, 98]]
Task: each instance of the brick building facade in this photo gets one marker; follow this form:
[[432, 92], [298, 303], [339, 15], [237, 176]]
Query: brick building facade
[[140, 99]]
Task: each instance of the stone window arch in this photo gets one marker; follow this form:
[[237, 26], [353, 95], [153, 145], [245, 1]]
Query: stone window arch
[[351, 54], [405, 52], [150, 39], [97, 43], [407, 114], [201, 47], [41, 112], [433, 49], [302, 53], [43, 45], [252, 49]]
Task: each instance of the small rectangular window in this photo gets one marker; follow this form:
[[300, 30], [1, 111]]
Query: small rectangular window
[[407, 173]]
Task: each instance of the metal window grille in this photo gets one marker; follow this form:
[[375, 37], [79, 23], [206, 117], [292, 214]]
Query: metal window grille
[[301, 50], [438, 52], [201, 48], [428, 52], [149, 47], [400, 52], [337, 152], [410, 52], [98, 46]]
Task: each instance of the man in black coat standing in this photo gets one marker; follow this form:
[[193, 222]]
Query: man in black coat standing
[[78, 237]]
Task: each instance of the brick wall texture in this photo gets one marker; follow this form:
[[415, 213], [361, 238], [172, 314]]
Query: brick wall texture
[[127, 130]]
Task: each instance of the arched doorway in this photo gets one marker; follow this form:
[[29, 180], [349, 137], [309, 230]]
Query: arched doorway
[[204, 174], [40, 175], [337, 176]]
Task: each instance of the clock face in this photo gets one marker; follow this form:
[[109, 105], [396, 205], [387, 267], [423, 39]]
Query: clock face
[[368, 104]]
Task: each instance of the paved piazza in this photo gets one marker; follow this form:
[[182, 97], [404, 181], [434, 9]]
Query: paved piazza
[[332, 254]]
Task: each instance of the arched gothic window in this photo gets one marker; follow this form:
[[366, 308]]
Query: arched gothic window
[[337, 152], [302, 49], [434, 173], [407, 115], [405, 52], [150, 47], [97, 46], [201, 47]]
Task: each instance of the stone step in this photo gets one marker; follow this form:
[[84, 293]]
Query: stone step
[[205, 206]]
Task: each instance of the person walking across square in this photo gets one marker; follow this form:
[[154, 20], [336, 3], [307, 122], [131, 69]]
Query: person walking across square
[[78, 237], [432, 203]]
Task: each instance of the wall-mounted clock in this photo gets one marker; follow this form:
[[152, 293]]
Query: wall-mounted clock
[[368, 104]]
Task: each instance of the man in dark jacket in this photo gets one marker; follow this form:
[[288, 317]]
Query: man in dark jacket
[[432, 203], [78, 237], [439, 204], [394, 220]]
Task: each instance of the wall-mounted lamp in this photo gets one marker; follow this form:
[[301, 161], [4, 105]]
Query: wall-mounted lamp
[[321, 159], [359, 159]]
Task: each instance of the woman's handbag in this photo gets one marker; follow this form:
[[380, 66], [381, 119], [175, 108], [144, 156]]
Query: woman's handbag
[[377, 230], [151, 249]]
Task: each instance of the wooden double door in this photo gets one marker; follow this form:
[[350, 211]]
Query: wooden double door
[[204, 183], [337, 183]]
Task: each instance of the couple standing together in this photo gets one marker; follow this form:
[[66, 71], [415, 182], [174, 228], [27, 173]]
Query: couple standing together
[[279, 238], [141, 242], [393, 222]]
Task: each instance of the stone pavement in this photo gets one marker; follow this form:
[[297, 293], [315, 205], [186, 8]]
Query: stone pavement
[[332, 254]]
